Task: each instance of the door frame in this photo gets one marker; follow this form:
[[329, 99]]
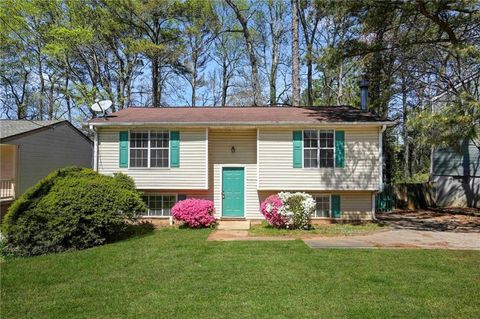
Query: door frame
[[221, 167]]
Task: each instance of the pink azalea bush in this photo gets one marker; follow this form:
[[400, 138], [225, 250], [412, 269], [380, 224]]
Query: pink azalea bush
[[271, 208], [195, 213]]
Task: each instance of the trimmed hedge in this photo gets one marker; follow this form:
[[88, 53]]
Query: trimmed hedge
[[72, 208]]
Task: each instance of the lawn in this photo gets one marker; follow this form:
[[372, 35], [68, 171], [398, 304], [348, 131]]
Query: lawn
[[175, 273], [327, 230]]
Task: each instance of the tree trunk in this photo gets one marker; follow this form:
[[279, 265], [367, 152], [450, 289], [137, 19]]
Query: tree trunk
[[42, 88], [224, 83], [67, 98], [251, 53], [155, 83], [406, 167], [295, 56], [273, 73], [309, 37], [309, 77], [194, 81]]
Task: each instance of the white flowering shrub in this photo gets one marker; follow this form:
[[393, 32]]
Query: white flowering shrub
[[289, 210]]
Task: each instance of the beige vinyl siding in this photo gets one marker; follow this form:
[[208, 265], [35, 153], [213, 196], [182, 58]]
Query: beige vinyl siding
[[354, 205], [361, 171], [220, 155], [193, 160], [41, 152]]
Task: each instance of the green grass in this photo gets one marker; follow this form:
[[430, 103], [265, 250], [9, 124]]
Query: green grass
[[174, 273], [330, 230]]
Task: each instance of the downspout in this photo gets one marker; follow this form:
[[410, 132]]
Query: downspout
[[95, 148], [380, 168], [380, 156]]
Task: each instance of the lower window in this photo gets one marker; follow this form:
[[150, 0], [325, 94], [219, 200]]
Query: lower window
[[322, 208], [159, 205]]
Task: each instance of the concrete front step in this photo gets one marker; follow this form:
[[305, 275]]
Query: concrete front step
[[233, 225]]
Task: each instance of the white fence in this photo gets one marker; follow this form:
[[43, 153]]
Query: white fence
[[7, 188]]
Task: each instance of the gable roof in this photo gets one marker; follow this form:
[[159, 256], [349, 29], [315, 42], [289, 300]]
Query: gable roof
[[12, 129], [259, 115]]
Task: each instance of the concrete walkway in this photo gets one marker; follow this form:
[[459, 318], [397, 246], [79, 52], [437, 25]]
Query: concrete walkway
[[402, 239], [236, 235], [405, 239]]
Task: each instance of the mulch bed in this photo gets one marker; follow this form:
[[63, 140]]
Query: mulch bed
[[436, 219]]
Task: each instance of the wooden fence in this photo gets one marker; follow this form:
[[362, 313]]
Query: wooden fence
[[405, 196]]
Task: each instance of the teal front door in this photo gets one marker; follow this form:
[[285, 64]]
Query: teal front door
[[233, 194]]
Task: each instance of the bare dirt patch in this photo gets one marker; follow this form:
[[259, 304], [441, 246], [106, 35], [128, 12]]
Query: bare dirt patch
[[465, 220]]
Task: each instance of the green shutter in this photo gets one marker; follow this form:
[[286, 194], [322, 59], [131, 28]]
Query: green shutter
[[339, 148], [174, 149], [123, 151], [336, 212], [297, 149]]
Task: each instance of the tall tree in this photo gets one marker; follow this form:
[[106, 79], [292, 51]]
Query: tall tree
[[249, 44], [309, 18], [200, 30], [271, 26], [158, 36], [295, 55]]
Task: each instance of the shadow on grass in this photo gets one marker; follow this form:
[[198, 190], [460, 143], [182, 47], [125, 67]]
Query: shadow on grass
[[139, 229], [185, 226]]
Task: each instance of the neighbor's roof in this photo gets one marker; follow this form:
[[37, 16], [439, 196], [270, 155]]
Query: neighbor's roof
[[264, 115], [11, 129]]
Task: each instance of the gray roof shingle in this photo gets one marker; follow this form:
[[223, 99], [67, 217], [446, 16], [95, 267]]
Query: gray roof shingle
[[10, 128], [240, 115]]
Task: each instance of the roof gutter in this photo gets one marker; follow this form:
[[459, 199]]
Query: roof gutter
[[274, 124]]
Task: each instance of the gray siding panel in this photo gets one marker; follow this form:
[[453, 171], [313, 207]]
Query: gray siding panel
[[42, 152], [462, 162], [457, 191]]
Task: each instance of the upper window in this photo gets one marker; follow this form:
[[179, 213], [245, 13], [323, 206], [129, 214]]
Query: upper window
[[322, 208], [149, 148], [318, 148], [159, 205]]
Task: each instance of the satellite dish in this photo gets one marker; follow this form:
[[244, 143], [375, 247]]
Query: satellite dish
[[101, 106]]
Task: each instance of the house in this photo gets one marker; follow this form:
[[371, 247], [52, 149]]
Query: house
[[238, 156], [30, 150], [455, 171]]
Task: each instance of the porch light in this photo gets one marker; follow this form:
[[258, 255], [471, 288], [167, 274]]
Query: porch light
[[232, 149]]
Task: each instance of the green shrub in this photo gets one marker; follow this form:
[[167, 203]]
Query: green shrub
[[125, 180], [71, 208]]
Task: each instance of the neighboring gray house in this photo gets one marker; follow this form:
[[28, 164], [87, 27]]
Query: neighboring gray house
[[456, 172], [30, 150]]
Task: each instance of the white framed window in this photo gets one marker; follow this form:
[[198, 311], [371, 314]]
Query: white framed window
[[159, 148], [318, 148], [323, 206], [149, 149], [139, 149], [159, 205]]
